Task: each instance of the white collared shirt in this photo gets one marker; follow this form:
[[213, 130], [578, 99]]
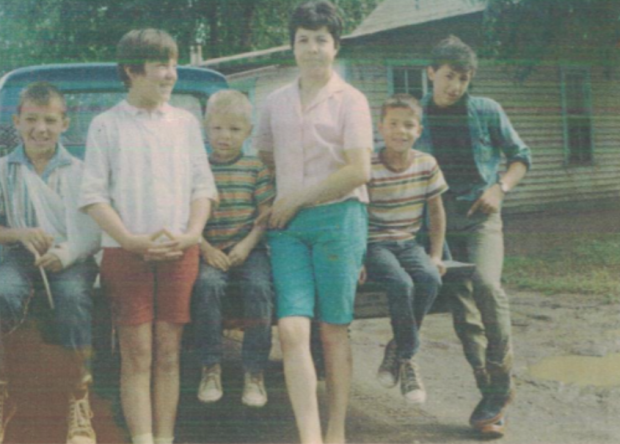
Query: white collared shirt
[[149, 166], [308, 146]]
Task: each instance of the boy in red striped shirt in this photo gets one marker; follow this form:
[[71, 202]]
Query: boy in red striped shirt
[[404, 181]]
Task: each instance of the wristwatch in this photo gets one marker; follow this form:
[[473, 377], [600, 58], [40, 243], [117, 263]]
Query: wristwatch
[[503, 186]]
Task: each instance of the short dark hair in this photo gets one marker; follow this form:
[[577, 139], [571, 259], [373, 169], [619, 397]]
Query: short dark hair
[[453, 52], [404, 101], [139, 46], [41, 93], [314, 15]]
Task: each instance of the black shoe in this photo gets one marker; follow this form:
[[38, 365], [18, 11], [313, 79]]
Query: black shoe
[[491, 409], [495, 430]]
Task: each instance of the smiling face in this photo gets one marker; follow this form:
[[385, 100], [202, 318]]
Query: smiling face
[[154, 86], [449, 85], [400, 128], [315, 50], [227, 132], [40, 125]]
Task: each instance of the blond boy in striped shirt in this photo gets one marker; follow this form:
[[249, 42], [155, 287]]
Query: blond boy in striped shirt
[[404, 181], [232, 251]]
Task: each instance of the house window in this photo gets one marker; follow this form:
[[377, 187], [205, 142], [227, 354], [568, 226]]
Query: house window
[[408, 79], [577, 115]]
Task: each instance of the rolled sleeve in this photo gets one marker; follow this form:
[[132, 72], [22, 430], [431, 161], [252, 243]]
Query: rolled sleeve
[[95, 187], [509, 141]]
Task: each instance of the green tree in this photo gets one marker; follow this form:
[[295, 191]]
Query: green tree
[[526, 33], [57, 31]]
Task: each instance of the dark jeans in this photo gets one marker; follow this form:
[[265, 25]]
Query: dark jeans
[[412, 283], [254, 278], [71, 289]]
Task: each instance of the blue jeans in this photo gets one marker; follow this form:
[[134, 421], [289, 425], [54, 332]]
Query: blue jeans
[[254, 278], [411, 281], [71, 289]]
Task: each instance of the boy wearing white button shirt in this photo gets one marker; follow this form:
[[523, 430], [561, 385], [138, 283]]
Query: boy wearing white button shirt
[[149, 186]]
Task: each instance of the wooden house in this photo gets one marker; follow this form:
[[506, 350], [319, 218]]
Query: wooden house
[[566, 113]]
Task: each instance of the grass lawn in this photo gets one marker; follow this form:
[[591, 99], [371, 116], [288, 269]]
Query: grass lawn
[[582, 263]]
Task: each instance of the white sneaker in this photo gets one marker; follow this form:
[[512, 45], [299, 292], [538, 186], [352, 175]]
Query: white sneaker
[[254, 393], [210, 388], [80, 430]]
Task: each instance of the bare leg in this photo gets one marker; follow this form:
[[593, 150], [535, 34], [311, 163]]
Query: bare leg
[[338, 368], [300, 377], [136, 358], [166, 377]]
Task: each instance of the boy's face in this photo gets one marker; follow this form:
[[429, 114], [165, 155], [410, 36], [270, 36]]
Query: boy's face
[[154, 86], [227, 132], [449, 85], [400, 128], [40, 126], [314, 49]]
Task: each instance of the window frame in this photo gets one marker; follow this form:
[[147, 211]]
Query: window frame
[[395, 64], [586, 84]]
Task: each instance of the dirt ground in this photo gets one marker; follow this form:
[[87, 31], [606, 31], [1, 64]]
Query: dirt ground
[[567, 374]]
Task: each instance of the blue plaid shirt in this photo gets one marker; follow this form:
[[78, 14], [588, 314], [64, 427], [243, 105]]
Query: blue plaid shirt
[[492, 135]]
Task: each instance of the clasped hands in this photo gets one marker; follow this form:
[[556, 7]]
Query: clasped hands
[[160, 246]]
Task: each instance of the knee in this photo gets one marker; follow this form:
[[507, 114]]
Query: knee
[[334, 337], [259, 297], [402, 287], [75, 306], [138, 359], [293, 336], [488, 286], [209, 288], [167, 359]]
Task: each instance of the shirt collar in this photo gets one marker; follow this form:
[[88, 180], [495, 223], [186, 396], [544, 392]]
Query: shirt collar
[[135, 111], [60, 158], [333, 86]]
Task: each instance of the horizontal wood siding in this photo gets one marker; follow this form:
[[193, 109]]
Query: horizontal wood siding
[[533, 106]]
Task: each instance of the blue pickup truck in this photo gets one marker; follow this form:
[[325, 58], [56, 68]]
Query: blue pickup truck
[[91, 88]]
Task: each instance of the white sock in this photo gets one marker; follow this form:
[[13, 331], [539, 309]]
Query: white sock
[[160, 440], [147, 438]]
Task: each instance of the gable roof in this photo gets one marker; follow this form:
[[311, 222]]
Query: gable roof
[[392, 14]]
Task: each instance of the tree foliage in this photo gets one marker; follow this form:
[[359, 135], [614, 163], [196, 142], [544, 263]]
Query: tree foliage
[[56, 31], [527, 33]]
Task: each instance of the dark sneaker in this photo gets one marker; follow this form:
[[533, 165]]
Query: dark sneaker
[[495, 430], [491, 409], [387, 375], [7, 410], [411, 383]]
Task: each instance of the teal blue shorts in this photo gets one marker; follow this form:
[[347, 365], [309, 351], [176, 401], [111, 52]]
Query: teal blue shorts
[[316, 261]]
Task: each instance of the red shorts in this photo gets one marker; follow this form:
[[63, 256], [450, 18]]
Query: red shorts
[[143, 292]]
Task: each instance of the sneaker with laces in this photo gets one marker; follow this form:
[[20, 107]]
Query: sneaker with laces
[[7, 410], [411, 383], [387, 375], [210, 388], [254, 393], [80, 429]]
